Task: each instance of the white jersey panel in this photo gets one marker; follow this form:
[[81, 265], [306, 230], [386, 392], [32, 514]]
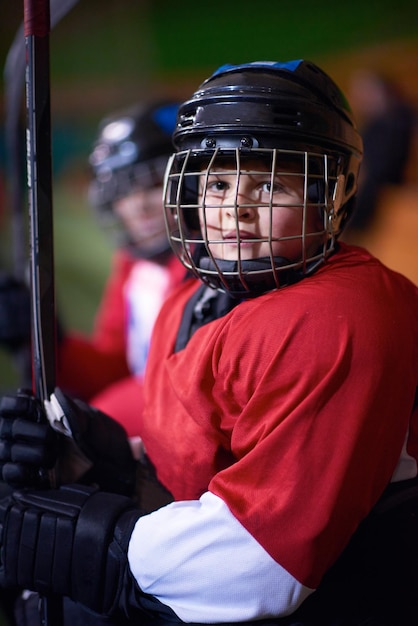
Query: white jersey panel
[[196, 558], [145, 292]]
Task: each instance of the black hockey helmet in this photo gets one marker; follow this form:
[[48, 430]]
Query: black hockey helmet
[[131, 150], [272, 111]]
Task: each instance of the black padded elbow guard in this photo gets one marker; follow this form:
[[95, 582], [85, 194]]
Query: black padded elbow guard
[[71, 541]]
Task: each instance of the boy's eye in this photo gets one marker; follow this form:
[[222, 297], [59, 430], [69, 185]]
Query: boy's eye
[[217, 185], [268, 187]]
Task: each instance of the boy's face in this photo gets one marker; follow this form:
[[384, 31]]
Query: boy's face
[[255, 215], [142, 215]]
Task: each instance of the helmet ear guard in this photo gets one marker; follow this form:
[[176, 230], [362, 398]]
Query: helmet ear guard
[[336, 214]]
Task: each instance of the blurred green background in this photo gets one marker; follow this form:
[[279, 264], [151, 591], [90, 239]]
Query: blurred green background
[[107, 54]]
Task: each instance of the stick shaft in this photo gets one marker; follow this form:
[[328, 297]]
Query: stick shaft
[[39, 172], [39, 163]]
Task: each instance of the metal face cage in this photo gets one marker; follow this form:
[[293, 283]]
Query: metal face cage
[[191, 208]]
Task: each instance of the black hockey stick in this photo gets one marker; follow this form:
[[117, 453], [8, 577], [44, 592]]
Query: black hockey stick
[[14, 81], [39, 172]]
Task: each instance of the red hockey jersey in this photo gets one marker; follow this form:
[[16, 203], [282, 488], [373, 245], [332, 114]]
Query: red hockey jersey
[[287, 418]]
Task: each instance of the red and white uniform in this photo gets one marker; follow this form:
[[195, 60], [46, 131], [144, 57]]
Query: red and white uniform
[[107, 368], [277, 429]]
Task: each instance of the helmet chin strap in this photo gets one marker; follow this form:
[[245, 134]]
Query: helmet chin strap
[[248, 278]]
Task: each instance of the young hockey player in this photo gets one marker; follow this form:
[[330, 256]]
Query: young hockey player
[[128, 163], [280, 391]]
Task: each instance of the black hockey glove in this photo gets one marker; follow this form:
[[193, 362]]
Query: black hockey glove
[[83, 444], [28, 445], [70, 541], [14, 313]]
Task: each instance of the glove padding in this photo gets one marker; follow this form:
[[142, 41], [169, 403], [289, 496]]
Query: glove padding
[[70, 541], [29, 446], [14, 313]]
